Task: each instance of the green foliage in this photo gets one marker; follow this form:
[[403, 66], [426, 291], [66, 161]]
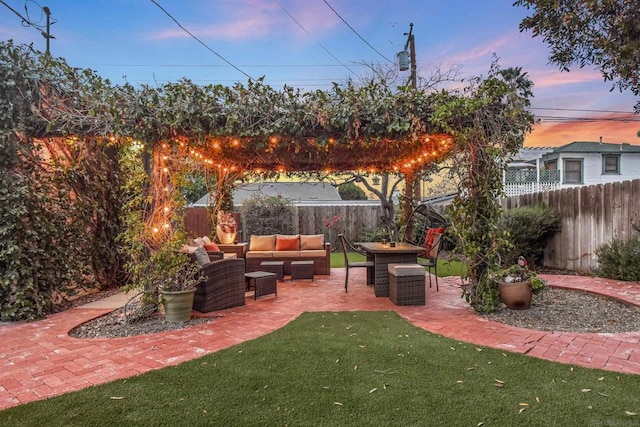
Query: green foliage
[[515, 274], [195, 186], [489, 124], [153, 263], [527, 230], [620, 259], [601, 33], [58, 198], [268, 215], [374, 235], [350, 191], [168, 269]]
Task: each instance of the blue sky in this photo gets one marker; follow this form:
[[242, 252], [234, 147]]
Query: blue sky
[[135, 41]]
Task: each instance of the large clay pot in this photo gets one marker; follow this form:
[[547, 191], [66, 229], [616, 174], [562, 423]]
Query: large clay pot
[[516, 296], [178, 305], [225, 238]]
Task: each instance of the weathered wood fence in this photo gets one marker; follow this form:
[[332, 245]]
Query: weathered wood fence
[[353, 221], [590, 216]]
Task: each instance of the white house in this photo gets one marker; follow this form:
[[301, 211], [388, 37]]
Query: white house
[[575, 164]]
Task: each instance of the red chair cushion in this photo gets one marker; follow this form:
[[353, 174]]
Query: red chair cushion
[[431, 236]]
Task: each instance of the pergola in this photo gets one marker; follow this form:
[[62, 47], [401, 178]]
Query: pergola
[[231, 157]]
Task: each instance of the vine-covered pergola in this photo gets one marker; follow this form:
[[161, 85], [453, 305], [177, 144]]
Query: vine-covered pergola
[[251, 128]]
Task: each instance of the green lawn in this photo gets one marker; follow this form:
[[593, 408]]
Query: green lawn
[[350, 369], [445, 267]]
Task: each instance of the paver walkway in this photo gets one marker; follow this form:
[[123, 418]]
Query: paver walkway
[[40, 360]]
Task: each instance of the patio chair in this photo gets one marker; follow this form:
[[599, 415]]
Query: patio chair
[[422, 219], [431, 261], [346, 247]]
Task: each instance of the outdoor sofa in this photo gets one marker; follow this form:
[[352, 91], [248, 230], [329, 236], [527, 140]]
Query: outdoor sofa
[[287, 248]]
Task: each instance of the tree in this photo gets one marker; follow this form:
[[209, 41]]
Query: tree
[[489, 123], [602, 33], [350, 191]]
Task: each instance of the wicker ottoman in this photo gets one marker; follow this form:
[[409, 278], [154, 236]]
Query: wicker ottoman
[[263, 283], [273, 267], [301, 270], [406, 284]]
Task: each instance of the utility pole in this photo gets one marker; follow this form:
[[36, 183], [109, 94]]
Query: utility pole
[[47, 35], [412, 54], [26, 22], [412, 181]]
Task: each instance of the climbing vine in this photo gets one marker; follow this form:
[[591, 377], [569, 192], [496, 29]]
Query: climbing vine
[[48, 107]]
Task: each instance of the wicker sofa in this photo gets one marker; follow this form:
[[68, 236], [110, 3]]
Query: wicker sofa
[[287, 248], [223, 285]]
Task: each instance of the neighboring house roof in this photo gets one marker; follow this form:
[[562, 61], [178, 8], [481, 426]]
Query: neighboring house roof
[[298, 192], [597, 147]]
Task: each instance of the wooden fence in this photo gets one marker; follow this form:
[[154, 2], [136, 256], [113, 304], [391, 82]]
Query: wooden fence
[[590, 216], [353, 221]]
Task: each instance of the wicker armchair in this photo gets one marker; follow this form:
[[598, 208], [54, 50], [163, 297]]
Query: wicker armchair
[[223, 286]]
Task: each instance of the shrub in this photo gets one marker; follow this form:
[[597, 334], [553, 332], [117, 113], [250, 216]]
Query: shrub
[[620, 259], [374, 235], [527, 229], [351, 191], [268, 215]]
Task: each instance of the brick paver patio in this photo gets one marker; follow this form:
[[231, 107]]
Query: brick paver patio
[[40, 360]]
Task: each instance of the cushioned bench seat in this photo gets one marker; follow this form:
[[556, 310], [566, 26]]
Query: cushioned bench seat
[[297, 248]]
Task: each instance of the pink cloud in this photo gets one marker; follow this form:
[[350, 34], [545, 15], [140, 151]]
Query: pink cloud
[[255, 19], [555, 134]]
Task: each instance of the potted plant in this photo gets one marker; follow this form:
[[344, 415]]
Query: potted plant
[[174, 275], [517, 284], [226, 228]]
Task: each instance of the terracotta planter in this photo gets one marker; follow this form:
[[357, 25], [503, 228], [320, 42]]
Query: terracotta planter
[[516, 296], [225, 238], [177, 305]]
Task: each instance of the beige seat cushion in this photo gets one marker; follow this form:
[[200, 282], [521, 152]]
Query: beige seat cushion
[[263, 243], [400, 270], [260, 254], [311, 242], [286, 254]]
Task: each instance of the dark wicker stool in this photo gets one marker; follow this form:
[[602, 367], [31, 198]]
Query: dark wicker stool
[[406, 284], [301, 270], [273, 267], [263, 283]]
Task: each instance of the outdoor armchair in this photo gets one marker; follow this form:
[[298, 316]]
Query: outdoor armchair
[[222, 287]]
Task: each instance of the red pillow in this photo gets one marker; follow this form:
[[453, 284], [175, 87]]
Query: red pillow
[[212, 247], [287, 244], [431, 236]]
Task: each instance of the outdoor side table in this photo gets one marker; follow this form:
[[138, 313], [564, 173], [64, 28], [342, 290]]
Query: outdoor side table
[[301, 270], [263, 283], [273, 267]]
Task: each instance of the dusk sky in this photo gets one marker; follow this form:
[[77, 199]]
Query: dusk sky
[[312, 43]]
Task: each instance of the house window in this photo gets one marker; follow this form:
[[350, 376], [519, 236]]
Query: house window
[[610, 164], [551, 165], [573, 171]]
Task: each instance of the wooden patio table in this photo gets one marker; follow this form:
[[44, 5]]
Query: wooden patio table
[[384, 254]]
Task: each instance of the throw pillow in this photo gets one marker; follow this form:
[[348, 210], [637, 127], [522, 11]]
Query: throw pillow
[[202, 256], [212, 247], [287, 244], [263, 243], [188, 249], [311, 242]]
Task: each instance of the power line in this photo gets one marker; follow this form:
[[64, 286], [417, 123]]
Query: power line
[[26, 22], [200, 41], [309, 34], [582, 110], [355, 32]]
